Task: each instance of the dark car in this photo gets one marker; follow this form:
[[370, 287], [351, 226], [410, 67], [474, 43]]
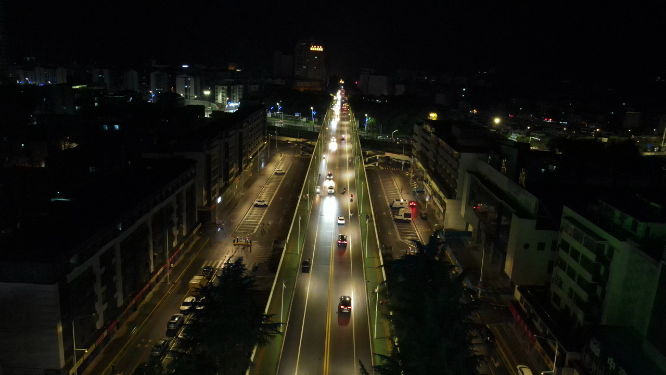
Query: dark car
[[208, 271], [160, 348], [345, 304], [175, 322], [342, 240], [305, 266], [487, 335]]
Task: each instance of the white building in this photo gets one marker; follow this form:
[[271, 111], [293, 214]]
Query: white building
[[188, 86]]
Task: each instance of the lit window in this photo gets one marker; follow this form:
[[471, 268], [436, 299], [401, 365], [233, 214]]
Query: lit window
[[116, 127], [105, 127]]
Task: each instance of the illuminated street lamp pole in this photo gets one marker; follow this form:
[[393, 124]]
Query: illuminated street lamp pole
[[76, 368], [393, 132], [284, 286]]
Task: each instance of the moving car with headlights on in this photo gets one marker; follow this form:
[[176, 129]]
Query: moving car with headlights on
[[341, 219], [342, 240]]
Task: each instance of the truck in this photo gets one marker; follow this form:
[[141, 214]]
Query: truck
[[197, 282], [403, 215], [398, 203]]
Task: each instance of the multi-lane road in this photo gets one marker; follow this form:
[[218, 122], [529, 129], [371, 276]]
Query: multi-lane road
[[319, 339], [261, 224]]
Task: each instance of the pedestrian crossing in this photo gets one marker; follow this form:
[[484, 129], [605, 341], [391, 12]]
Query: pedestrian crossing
[[255, 215], [406, 230]]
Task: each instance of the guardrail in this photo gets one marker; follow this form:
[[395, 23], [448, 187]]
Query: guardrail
[[286, 273]]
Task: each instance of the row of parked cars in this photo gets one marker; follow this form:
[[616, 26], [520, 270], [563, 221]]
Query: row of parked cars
[[167, 349]]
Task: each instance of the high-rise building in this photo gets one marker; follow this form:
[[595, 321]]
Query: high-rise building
[[159, 82], [309, 65], [188, 86], [131, 80]]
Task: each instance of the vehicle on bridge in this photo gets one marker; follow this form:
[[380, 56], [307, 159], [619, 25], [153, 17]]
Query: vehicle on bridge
[[398, 203], [345, 305], [403, 215]]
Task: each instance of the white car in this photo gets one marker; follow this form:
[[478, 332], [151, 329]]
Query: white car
[[332, 139], [279, 171], [260, 202], [324, 156], [187, 304], [341, 219]]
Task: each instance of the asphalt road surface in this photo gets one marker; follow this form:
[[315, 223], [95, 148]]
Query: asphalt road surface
[[261, 224], [318, 339]]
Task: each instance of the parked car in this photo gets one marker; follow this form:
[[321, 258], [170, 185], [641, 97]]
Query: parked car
[[208, 271], [187, 305], [175, 322], [160, 348]]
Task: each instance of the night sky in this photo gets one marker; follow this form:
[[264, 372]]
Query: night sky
[[583, 38]]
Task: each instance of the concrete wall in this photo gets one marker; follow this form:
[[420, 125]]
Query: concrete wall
[[30, 329], [525, 265]]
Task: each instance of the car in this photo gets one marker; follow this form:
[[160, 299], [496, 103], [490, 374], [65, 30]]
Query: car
[[342, 137], [523, 370], [487, 335], [424, 215], [279, 171], [187, 304], [331, 189], [175, 322], [185, 333], [160, 348], [341, 219], [412, 204], [345, 304], [208, 271], [329, 175], [318, 190], [324, 156], [332, 139], [305, 266], [200, 304], [260, 202], [342, 240]]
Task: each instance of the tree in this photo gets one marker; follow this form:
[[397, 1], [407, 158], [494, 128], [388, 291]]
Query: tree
[[430, 318], [227, 329]]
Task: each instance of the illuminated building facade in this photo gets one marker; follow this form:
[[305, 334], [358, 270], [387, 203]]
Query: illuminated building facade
[[309, 65]]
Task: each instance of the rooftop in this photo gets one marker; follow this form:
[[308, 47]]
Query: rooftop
[[48, 214]]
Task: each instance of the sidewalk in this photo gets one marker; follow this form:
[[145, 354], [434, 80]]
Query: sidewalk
[[102, 363]]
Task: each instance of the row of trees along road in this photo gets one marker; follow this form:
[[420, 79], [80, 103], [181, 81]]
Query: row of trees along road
[[430, 316], [223, 334]]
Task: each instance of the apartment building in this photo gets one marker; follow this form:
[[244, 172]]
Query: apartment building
[[80, 246], [443, 151], [607, 288]]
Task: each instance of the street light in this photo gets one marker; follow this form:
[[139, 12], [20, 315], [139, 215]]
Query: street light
[[557, 346], [284, 286], [376, 292], [76, 368], [365, 126], [393, 132], [299, 235], [496, 120]]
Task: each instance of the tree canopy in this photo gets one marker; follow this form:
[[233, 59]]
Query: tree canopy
[[429, 316]]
